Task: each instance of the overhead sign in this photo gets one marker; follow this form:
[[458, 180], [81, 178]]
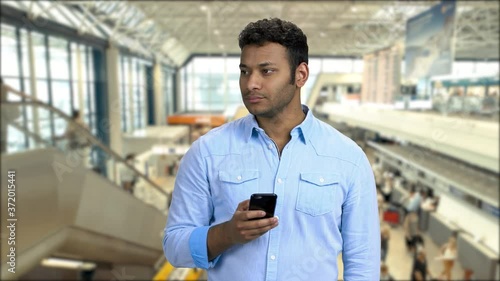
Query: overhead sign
[[429, 45]]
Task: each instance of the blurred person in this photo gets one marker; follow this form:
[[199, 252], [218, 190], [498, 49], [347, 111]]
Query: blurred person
[[440, 100], [9, 112], [378, 173], [76, 136], [428, 201], [420, 270], [381, 205], [325, 186], [388, 186], [385, 236], [456, 101], [490, 103], [412, 201], [448, 256], [127, 176], [412, 234], [384, 273]]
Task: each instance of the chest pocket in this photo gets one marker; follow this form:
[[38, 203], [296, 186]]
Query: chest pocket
[[238, 176], [316, 195], [237, 185]]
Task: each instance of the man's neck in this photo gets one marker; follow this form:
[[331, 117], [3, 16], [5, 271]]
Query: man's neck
[[279, 128]]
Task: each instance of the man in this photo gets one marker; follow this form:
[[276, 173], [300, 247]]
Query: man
[[420, 270], [128, 176], [326, 193], [414, 200]]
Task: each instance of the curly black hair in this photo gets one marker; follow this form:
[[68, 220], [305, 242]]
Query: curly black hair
[[278, 31]]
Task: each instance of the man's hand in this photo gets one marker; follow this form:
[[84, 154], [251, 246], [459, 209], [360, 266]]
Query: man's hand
[[239, 230]]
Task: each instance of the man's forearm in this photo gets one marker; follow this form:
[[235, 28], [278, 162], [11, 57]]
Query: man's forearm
[[217, 241]]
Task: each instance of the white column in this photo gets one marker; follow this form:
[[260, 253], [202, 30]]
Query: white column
[[179, 91], [159, 97], [130, 95], [79, 71], [114, 101], [33, 87]]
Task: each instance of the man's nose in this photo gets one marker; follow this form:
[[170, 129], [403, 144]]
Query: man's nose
[[254, 82]]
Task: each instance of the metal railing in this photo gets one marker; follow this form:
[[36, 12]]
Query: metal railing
[[87, 146]]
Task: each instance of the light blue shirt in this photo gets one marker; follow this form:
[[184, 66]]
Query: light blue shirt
[[327, 204], [414, 202]]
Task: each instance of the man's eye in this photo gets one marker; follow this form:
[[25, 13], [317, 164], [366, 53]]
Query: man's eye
[[243, 72], [267, 71]]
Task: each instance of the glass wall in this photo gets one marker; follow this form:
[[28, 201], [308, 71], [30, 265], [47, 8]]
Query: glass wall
[[133, 92], [12, 75], [62, 75], [60, 82], [212, 83], [168, 75]]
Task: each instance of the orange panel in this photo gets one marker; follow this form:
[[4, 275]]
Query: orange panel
[[213, 120]]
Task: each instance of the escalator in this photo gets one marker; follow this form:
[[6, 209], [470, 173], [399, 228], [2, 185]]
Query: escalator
[[61, 207], [169, 273]]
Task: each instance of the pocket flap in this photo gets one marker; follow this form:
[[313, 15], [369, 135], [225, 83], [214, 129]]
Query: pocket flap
[[238, 176], [320, 179]]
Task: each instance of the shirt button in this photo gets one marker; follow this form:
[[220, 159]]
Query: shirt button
[[238, 177], [270, 146], [321, 179], [279, 180], [273, 257]]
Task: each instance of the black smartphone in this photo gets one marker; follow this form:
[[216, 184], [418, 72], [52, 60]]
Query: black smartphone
[[265, 202]]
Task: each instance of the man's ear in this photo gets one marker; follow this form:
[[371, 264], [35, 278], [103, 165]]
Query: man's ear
[[301, 74]]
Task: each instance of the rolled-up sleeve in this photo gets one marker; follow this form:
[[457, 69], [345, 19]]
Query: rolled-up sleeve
[[185, 237], [360, 226]]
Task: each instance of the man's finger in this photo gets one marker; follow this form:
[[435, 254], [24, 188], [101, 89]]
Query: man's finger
[[254, 214], [244, 205], [264, 226]]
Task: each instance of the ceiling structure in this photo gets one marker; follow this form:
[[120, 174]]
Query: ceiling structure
[[175, 30], [334, 28]]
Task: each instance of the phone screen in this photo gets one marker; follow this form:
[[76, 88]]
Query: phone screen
[[265, 202]]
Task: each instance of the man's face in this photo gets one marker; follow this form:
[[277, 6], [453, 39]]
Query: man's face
[[265, 80]]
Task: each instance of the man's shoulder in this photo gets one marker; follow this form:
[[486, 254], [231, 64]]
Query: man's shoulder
[[236, 126], [226, 137], [328, 141]]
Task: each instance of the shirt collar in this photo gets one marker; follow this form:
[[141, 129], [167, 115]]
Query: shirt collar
[[303, 130]]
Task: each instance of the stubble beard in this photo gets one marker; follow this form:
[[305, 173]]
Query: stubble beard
[[283, 98]]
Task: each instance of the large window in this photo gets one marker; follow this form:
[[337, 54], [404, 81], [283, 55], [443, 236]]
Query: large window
[[138, 93], [212, 84], [60, 83], [168, 75], [133, 92], [125, 104], [13, 54], [63, 77]]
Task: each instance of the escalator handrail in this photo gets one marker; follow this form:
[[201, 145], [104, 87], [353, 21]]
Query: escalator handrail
[[91, 138]]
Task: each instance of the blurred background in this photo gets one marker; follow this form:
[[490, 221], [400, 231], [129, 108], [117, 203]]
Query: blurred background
[[101, 99]]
